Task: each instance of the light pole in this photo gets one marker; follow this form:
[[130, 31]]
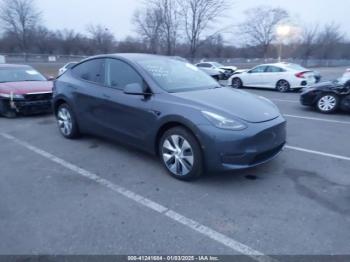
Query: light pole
[[282, 32]]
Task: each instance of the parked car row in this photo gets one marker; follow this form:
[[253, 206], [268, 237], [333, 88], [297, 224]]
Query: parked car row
[[170, 108]]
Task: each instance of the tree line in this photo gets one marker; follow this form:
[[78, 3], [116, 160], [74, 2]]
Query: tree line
[[177, 27]]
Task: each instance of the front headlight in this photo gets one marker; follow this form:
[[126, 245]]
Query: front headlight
[[223, 122]]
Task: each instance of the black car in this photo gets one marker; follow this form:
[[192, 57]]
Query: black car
[[169, 108], [328, 97]]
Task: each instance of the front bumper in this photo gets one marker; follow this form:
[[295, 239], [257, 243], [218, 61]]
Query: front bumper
[[229, 150], [31, 107], [308, 98]]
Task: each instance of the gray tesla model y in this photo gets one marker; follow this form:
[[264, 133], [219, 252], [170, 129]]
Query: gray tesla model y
[[170, 108]]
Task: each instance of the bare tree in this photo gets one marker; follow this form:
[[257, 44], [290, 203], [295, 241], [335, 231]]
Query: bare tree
[[102, 39], [260, 26], [19, 17], [308, 41], [329, 38], [198, 15], [148, 24], [170, 23]]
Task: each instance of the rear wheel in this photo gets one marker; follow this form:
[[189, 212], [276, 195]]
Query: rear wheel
[[237, 83], [283, 86], [66, 122], [181, 154], [328, 103]]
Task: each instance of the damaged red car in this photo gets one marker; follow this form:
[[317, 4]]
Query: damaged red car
[[23, 90]]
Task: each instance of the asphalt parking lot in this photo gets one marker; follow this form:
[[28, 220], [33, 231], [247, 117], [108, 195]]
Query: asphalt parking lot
[[93, 196]]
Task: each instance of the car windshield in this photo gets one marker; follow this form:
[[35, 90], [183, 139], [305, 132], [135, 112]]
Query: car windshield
[[176, 76], [19, 75]]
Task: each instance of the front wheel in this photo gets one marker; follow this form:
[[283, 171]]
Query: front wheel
[[181, 154], [283, 86], [66, 122], [237, 83], [328, 103]]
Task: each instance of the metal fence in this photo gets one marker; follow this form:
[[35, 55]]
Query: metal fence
[[40, 58], [239, 62]]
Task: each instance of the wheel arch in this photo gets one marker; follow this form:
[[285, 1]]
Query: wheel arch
[[171, 124], [237, 76]]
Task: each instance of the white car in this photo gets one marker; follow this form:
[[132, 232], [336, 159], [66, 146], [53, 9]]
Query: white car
[[210, 67], [65, 68], [280, 76]]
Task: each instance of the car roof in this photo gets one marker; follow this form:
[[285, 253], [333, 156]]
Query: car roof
[[280, 64], [133, 57], [13, 66]]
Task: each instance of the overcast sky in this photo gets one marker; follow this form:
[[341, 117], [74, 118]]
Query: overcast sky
[[116, 14]]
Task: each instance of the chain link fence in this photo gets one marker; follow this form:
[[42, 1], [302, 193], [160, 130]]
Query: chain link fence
[[60, 60]]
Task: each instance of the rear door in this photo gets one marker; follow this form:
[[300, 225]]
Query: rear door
[[272, 75], [255, 77], [88, 93]]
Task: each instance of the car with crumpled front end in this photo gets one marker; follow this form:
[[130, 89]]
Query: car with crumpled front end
[[23, 90]]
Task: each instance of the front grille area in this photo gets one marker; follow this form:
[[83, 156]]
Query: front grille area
[[38, 97], [262, 157]]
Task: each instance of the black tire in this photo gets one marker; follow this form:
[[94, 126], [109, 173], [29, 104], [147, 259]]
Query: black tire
[[237, 83], [72, 132], [328, 103], [6, 111], [283, 86], [196, 169]]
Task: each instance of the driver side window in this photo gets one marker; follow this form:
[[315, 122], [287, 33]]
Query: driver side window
[[120, 74]]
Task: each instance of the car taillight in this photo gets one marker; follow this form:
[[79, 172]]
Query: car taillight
[[300, 75]]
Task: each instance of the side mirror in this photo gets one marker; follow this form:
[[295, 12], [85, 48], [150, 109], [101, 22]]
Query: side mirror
[[134, 89]]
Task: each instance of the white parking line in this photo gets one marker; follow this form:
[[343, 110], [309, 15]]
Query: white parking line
[[192, 224], [318, 119], [318, 153]]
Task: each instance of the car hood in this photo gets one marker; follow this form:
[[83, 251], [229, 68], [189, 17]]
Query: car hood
[[233, 102], [211, 71], [20, 88], [233, 68]]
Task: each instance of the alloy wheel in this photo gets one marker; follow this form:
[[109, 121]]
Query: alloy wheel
[[283, 86], [64, 119], [178, 155], [236, 83], [327, 103]]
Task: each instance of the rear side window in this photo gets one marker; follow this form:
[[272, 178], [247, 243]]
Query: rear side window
[[274, 69], [120, 74], [259, 69], [92, 71]]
